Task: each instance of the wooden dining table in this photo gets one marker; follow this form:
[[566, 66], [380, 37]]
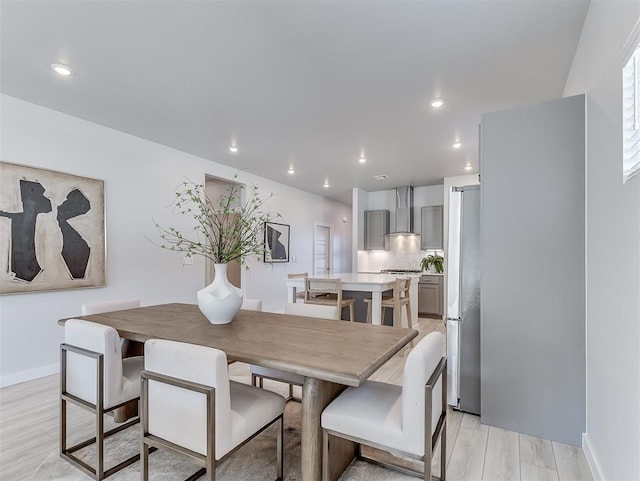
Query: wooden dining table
[[330, 354]]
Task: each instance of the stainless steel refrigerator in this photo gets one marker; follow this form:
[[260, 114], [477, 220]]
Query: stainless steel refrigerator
[[463, 299]]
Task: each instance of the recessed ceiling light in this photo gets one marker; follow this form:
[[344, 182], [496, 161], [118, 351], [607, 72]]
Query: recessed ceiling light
[[381, 177], [233, 149], [61, 69], [326, 184], [362, 159], [291, 171], [437, 103], [467, 167], [457, 145]]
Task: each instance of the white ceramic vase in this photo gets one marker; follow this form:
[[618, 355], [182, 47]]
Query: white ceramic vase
[[220, 300]]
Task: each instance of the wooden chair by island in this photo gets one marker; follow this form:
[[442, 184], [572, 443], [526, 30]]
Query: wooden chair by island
[[301, 275], [328, 292], [397, 301]]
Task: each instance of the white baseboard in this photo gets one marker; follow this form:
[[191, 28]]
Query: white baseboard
[[592, 459], [23, 376]]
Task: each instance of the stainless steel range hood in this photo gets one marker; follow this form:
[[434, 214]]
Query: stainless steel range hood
[[403, 238]]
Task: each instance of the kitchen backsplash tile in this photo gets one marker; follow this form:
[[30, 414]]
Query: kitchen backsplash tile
[[374, 261]]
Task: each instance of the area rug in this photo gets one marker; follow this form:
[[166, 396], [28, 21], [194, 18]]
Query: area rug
[[255, 461]]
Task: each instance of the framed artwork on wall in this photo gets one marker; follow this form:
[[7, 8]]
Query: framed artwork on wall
[[52, 230], [276, 240]]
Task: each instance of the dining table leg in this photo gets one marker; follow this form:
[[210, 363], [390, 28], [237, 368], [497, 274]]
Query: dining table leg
[[316, 395]]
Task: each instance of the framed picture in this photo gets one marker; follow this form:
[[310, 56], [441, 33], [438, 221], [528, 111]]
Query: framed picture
[[52, 230], [276, 240]]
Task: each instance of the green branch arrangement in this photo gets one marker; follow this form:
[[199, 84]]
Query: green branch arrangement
[[228, 230]]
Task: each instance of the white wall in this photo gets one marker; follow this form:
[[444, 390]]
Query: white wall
[[612, 440], [140, 177]]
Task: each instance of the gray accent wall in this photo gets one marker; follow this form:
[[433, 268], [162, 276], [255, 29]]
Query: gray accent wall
[[533, 269]]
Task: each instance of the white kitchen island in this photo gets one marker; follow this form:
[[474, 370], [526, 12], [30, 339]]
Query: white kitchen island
[[376, 284]]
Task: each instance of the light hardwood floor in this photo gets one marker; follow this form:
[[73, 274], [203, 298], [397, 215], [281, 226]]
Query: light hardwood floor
[[475, 452]]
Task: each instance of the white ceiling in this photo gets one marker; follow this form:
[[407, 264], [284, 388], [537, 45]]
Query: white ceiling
[[306, 83]]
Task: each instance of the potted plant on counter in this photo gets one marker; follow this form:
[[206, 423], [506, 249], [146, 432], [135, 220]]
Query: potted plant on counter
[[435, 260], [230, 229]]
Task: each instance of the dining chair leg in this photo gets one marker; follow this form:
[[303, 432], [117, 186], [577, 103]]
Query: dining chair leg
[[325, 455], [397, 318], [290, 391], [352, 314], [144, 471], [443, 451], [410, 321], [280, 448], [254, 380]]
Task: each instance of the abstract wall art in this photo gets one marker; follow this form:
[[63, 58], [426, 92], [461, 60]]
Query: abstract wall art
[[276, 239], [52, 230]]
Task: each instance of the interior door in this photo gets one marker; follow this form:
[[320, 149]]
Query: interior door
[[322, 250]]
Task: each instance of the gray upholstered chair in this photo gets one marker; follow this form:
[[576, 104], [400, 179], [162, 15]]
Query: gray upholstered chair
[[259, 373], [404, 420], [190, 407], [94, 375]]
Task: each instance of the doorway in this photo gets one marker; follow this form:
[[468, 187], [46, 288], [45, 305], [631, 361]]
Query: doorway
[[321, 250], [214, 188]]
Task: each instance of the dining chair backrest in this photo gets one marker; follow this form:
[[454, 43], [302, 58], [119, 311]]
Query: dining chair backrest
[[421, 362], [401, 288], [251, 304], [81, 370], [108, 306], [298, 275], [312, 310], [187, 425], [314, 286]]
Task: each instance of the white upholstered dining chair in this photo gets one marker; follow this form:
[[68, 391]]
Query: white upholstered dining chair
[[404, 420], [251, 304], [259, 373], [94, 375], [108, 306], [129, 348], [190, 407]]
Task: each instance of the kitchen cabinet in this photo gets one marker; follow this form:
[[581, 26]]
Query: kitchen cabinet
[[430, 295], [431, 227], [376, 226]]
